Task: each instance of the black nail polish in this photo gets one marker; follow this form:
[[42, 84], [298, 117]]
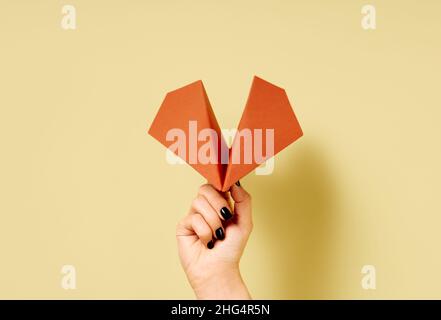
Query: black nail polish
[[238, 183], [220, 234], [225, 213], [210, 244]]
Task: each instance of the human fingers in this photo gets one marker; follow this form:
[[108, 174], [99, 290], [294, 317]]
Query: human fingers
[[217, 201], [201, 206], [195, 224]]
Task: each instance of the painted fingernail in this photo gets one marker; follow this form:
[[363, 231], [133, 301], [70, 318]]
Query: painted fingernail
[[225, 213], [210, 244], [238, 183], [220, 234]]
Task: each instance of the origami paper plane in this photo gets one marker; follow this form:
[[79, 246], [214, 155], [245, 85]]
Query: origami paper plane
[[188, 111]]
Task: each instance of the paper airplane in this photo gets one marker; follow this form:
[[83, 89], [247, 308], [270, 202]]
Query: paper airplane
[[186, 124]]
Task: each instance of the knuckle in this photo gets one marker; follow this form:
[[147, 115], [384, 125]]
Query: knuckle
[[180, 225], [203, 188], [195, 219], [198, 203], [195, 202]]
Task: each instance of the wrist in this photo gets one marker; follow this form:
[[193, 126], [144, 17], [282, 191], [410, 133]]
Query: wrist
[[224, 284]]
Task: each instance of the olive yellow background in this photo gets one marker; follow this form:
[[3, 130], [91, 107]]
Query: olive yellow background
[[82, 184]]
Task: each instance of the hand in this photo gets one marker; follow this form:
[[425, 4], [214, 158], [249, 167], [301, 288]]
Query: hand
[[211, 240]]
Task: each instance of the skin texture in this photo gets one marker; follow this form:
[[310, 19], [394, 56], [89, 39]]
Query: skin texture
[[214, 273]]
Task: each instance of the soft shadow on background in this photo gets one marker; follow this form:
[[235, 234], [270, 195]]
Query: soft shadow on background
[[298, 211]]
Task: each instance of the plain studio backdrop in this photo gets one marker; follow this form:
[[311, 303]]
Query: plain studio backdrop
[[82, 184]]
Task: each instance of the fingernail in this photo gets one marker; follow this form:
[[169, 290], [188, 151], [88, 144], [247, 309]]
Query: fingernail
[[225, 213], [220, 234], [238, 183], [210, 244]]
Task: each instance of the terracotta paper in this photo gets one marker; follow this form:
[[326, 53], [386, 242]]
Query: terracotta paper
[[268, 115]]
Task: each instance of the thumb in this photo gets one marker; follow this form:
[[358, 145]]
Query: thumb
[[242, 206]]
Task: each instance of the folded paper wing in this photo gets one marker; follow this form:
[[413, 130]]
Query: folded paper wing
[[267, 109], [267, 126], [180, 112]]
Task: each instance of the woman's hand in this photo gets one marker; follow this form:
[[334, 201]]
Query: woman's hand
[[211, 240]]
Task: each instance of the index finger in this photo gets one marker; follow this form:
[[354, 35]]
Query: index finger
[[217, 201]]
